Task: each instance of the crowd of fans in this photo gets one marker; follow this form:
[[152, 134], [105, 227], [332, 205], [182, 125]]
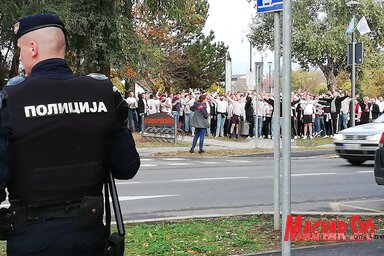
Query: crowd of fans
[[311, 115]]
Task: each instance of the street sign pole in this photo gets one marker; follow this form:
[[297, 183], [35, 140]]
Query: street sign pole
[[353, 79], [275, 6], [286, 154], [276, 139]]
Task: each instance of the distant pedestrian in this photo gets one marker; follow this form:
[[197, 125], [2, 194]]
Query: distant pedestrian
[[199, 120]]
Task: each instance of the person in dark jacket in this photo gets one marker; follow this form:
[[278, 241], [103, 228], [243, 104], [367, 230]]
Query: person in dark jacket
[[61, 136], [334, 100], [249, 112], [141, 110], [365, 106], [200, 122]]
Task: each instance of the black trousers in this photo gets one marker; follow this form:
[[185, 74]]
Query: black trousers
[[59, 237]]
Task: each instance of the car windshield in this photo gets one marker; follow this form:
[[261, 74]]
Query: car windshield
[[380, 119]]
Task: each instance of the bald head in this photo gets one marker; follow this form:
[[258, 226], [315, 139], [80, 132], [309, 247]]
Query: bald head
[[39, 45]]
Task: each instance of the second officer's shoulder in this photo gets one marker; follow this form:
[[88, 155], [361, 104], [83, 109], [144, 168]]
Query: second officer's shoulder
[[102, 77], [15, 81], [98, 76]]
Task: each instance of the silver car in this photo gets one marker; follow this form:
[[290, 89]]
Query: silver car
[[358, 144]]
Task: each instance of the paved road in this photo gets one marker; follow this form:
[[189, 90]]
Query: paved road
[[177, 187]]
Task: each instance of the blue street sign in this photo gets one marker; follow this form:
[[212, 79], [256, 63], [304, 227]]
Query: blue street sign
[[269, 5]]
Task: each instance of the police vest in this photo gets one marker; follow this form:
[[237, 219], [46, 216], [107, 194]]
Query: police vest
[[59, 129]]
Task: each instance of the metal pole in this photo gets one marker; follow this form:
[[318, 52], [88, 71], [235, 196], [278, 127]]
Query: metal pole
[[262, 71], [256, 135], [276, 146], [269, 77], [353, 78], [175, 131], [286, 154], [250, 56]]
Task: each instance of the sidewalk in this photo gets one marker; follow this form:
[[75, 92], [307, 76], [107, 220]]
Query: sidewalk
[[371, 248], [212, 143]]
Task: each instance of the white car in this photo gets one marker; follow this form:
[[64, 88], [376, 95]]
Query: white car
[[358, 144]]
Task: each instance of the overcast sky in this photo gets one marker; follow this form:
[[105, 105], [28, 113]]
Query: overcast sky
[[230, 20]]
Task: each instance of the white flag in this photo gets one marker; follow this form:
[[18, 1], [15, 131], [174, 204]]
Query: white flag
[[351, 27], [363, 27]]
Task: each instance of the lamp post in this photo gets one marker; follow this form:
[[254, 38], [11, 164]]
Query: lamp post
[[263, 55], [228, 73], [269, 77], [352, 4]]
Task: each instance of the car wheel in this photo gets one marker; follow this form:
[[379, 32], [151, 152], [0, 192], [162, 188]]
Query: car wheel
[[355, 162]]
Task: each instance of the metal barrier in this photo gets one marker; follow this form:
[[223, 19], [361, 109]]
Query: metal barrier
[[161, 127]]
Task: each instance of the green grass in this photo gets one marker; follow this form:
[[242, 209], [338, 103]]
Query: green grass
[[315, 142], [221, 236]]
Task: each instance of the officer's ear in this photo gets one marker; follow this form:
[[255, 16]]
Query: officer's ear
[[34, 48]]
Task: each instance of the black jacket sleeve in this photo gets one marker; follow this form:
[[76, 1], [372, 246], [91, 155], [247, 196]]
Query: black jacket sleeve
[[121, 157]]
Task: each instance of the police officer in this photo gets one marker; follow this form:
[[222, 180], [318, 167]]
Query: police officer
[[60, 134]]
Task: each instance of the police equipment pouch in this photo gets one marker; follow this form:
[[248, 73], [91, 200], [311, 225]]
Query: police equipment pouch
[[91, 211], [114, 245]]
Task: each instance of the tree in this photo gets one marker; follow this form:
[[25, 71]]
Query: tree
[[199, 65], [318, 37], [175, 42], [312, 81], [131, 39]]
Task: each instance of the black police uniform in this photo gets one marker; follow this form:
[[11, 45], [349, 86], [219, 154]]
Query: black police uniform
[[57, 127]]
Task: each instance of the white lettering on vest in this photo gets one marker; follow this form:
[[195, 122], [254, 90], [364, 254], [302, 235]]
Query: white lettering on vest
[[94, 107], [52, 109], [41, 110], [65, 108], [102, 107], [84, 107], [30, 111]]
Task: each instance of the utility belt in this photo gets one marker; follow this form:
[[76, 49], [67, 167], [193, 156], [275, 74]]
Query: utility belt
[[89, 210]]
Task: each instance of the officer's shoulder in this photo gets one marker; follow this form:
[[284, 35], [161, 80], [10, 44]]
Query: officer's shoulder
[[102, 77], [15, 80], [98, 76]]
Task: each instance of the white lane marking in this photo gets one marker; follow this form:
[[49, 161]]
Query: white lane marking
[[122, 198], [335, 207], [175, 159], [313, 174], [238, 161], [127, 182], [148, 165], [208, 179], [210, 162], [365, 172], [130, 198], [233, 178], [361, 208], [361, 201], [146, 159], [179, 164]]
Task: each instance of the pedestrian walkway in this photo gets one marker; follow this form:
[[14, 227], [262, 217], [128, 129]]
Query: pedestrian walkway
[[371, 248], [212, 143]]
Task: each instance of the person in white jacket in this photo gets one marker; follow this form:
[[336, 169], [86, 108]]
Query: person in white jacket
[[308, 107], [238, 111]]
